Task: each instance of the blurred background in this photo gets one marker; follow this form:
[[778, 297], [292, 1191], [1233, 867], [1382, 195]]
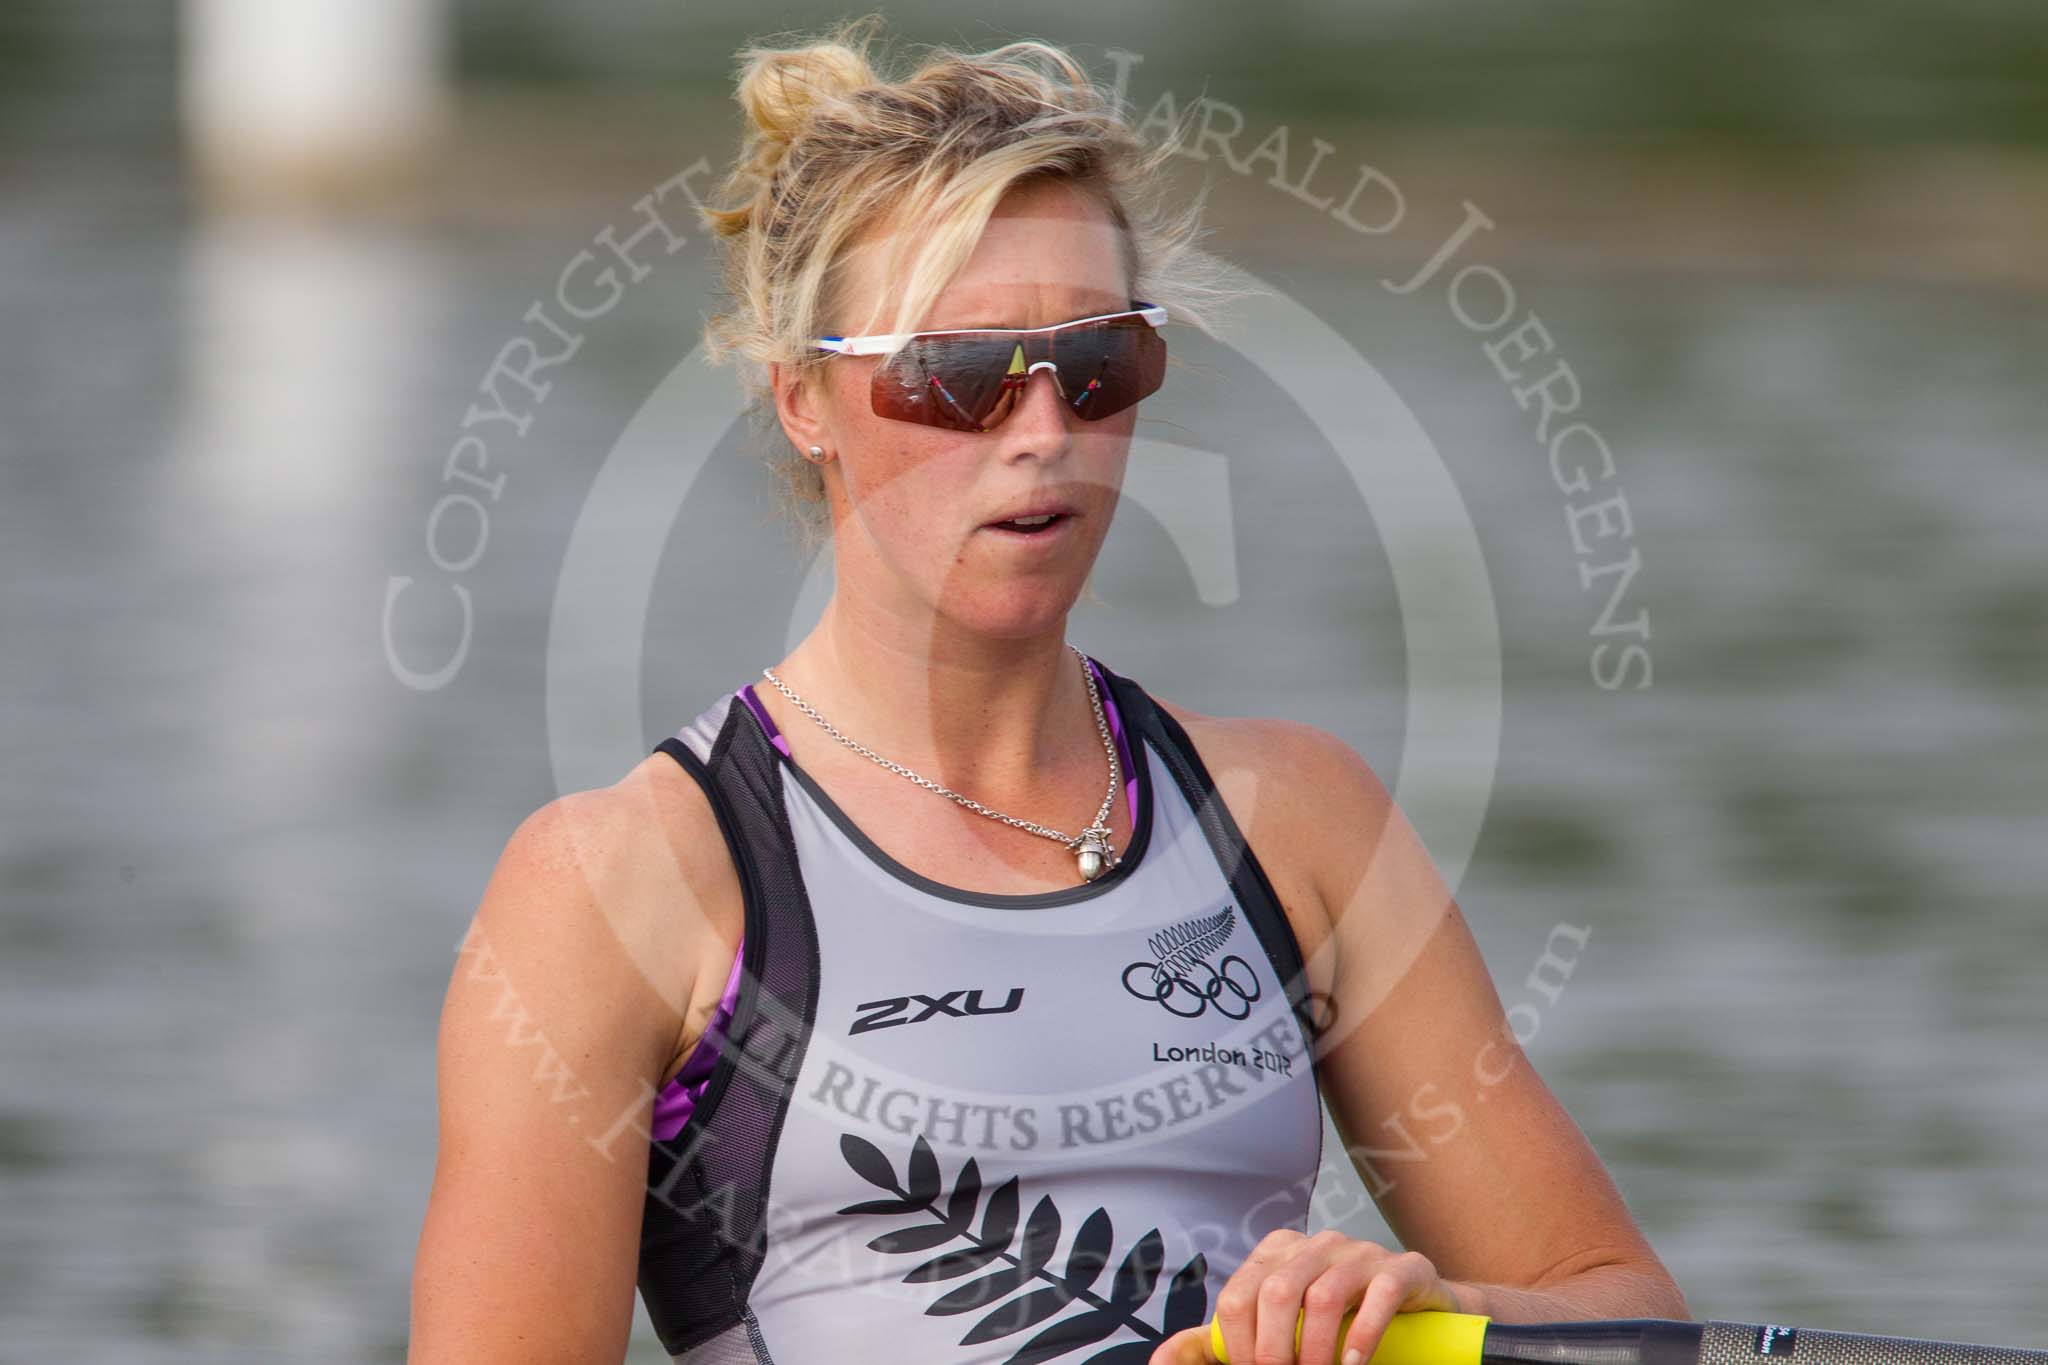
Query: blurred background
[[270, 715]]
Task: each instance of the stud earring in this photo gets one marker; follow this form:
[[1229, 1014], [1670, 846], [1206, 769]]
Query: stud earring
[[816, 455]]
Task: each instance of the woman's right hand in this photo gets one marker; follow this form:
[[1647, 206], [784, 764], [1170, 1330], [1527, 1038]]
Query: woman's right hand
[[1316, 1283]]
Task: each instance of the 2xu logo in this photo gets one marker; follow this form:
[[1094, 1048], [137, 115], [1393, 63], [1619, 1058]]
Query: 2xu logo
[[889, 1013]]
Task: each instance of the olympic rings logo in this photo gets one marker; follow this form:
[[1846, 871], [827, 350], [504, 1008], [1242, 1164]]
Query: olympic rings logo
[[1183, 977]]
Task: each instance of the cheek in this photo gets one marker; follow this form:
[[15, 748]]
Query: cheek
[[907, 485], [887, 466], [1102, 455]]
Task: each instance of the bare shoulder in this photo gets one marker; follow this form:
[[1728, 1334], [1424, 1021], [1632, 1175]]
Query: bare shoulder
[[591, 943], [1292, 752], [652, 825], [637, 873], [1301, 795]]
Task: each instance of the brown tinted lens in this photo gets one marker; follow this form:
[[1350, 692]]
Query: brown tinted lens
[[957, 381], [951, 381], [1110, 366]]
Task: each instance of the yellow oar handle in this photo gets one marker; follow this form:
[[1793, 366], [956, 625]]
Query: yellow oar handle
[[1429, 1338]]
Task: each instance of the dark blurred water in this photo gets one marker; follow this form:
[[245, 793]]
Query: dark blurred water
[[1805, 1030]]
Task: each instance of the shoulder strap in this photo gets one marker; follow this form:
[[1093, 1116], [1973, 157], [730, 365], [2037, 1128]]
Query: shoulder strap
[[703, 1227], [1248, 881]]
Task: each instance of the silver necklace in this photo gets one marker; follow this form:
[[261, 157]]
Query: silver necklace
[[1092, 851]]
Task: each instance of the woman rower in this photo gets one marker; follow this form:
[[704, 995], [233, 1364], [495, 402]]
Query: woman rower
[[995, 993]]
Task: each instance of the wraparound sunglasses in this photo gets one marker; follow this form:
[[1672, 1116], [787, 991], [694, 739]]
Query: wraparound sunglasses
[[971, 379]]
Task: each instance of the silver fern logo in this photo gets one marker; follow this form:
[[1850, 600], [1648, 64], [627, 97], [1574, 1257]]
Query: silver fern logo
[[1025, 1263], [1180, 978]]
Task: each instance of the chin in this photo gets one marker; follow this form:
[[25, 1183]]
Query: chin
[[1017, 613]]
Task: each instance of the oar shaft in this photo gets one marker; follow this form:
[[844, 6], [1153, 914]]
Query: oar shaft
[[1619, 1341], [1654, 1341], [1466, 1339]]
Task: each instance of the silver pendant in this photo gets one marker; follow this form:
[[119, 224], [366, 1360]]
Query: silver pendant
[[1094, 855]]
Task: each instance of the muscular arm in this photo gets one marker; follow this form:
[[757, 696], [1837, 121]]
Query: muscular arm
[[1468, 1154], [562, 1014]]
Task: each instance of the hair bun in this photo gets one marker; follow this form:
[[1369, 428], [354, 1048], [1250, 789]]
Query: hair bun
[[780, 89]]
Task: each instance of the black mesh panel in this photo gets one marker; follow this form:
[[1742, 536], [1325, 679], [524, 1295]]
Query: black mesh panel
[[703, 1234]]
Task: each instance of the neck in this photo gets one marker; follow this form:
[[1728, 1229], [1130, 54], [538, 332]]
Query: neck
[[985, 716]]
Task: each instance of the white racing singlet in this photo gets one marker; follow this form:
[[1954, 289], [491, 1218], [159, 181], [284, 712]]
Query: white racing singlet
[[942, 1125]]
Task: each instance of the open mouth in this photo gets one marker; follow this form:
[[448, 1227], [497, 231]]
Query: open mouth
[[1043, 524]]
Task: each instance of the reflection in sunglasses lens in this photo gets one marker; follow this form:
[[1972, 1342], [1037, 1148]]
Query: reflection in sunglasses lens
[[972, 381]]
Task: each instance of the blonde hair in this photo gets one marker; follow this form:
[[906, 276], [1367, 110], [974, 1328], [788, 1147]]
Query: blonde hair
[[833, 150]]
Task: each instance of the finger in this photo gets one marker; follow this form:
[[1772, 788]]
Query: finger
[[1282, 1295], [1237, 1303], [1393, 1282], [1189, 1346], [1327, 1308], [1332, 1296]]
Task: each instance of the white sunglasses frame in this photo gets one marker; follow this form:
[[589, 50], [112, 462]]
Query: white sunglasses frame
[[889, 341]]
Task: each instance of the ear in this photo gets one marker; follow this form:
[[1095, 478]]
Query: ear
[[802, 404]]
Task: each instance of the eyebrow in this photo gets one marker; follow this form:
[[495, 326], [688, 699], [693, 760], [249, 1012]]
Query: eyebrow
[[983, 321]]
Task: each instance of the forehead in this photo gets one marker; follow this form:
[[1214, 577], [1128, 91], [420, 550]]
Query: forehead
[[1046, 255]]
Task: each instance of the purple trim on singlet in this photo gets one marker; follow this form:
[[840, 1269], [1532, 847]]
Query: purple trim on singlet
[[673, 1106], [1132, 777], [678, 1099], [767, 723]]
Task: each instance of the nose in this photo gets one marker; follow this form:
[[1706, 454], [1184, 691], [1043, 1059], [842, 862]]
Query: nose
[[1058, 398]]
